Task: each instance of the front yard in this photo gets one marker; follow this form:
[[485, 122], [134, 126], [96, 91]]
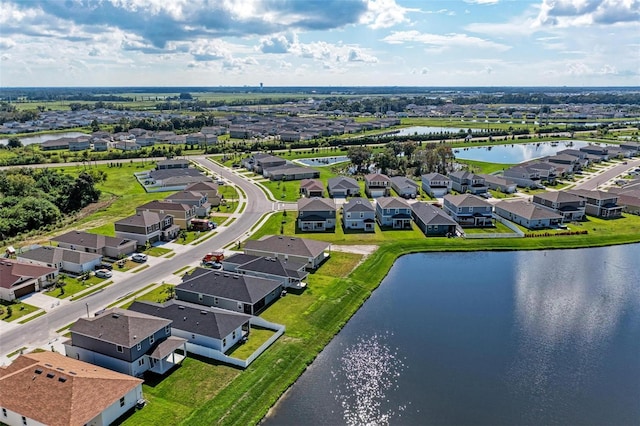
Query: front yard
[[10, 311]]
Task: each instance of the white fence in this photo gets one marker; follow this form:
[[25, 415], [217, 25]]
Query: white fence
[[242, 363], [517, 233]]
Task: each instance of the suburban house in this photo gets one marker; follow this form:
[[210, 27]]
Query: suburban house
[[359, 214], [634, 147], [311, 188], [501, 184], [201, 326], [464, 181], [377, 185], [630, 201], [597, 150], [548, 172], [432, 221], [468, 210], [210, 189], [599, 203], [342, 187], [524, 176], [101, 145], [74, 261], [192, 198], [570, 206], [172, 164], [182, 213], [393, 212], [527, 214], [147, 227], [125, 341], [310, 252], [570, 162], [436, 184], [19, 279], [170, 179], [290, 171], [79, 144], [290, 273], [583, 158], [112, 247], [259, 161], [47, 388], [316, 214], [233, 292], [404, 187]]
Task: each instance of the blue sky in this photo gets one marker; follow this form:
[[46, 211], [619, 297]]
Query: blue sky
[[319, 42]]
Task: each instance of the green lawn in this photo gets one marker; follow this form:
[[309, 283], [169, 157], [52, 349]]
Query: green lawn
[[499, 228], [74, 285], [257, 337], [274, 224], [157, 251], [12, 311]]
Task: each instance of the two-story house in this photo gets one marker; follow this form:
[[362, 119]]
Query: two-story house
[[198, 200], [182, 213], [464, 181], [316, 214], [377, 185], [147, 227], [597, 150], [359, 214], [436, 184], [210, 189], [570, 206], [468, 210], [394, 212], [290, 273], [125, 341], [599, 203], [174, 163], [524, 176]]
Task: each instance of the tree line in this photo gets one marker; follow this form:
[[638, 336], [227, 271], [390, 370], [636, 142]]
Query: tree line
[[35, 198]]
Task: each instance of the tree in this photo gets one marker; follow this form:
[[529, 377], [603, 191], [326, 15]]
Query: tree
[[95, 126], [359, 156], [14, 142]]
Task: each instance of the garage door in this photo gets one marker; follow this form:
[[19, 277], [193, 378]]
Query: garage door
[[24, 290]]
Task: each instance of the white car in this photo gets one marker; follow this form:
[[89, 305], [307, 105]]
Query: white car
[[103, 273], [139, 257]]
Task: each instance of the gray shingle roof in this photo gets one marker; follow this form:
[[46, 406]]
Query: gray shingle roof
[[358, 204], [243, 288], [144, 218], [342, 182], [316, 204], [466, 200], [393, 203], [558, 197], [86, 239], [431, 215], [192, 318], [288, 245], [119, 326], [54, 255], [527, 210], [275, 266]]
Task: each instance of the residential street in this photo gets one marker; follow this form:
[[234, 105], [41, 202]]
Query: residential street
[[41, 331]]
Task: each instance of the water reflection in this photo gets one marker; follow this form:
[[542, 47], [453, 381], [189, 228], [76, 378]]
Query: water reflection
[[368, 373], [567, 305], [515, 153]]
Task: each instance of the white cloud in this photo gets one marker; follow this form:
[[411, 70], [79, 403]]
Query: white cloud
[[570, 13], [6, 43], [481, 1], [443, 41], [385, 14]]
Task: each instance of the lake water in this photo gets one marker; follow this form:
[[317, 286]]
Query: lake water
[[508, 338], [323, 161], [516, 153], [47, 137], [426, 130]]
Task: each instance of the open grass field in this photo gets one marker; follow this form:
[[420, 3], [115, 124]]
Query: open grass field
[[484, 167]]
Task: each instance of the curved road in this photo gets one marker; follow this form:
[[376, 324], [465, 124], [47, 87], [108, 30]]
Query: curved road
[[41, 330]]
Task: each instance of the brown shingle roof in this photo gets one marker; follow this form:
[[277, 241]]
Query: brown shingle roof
[[13, 272], [84, 392]]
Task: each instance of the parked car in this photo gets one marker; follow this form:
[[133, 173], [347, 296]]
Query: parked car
[[139, 257], [213, 265], [220, 182], [107, 266], [103, 273]]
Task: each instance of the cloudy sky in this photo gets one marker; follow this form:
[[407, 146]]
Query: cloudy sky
[[319, 42]]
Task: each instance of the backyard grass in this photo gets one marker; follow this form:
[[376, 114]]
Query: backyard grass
[[159, 294], [499, 228], [500, 195], [257, 337], [484, 167], [10, 311]]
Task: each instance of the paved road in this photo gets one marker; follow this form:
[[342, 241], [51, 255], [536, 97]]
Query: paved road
[[601, 178], [41, 330]]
